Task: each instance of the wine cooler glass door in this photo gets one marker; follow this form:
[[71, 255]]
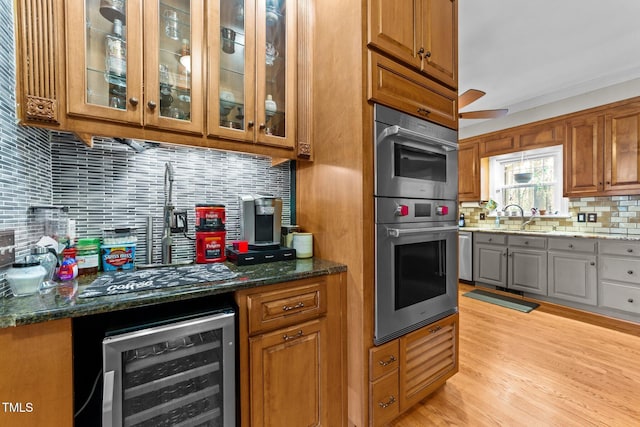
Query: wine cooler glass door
[[179, 374]]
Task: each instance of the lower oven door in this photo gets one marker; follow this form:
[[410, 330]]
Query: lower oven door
[[416, 277]]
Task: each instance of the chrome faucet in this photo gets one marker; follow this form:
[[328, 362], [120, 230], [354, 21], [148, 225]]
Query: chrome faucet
[[524, 222], [167, 240]]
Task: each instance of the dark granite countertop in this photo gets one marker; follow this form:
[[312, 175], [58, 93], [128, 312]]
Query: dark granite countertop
[[16, 311]]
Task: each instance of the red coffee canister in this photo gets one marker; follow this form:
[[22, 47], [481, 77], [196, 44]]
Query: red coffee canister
[[210, 217], [210, 246]]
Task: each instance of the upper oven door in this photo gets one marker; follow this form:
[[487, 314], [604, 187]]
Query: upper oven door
[[413, 164]]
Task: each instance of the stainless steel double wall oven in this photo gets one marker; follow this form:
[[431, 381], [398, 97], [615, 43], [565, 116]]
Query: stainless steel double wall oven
[[416, 244]]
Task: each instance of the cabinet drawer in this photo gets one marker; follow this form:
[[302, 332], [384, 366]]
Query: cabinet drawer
[[404, 89], [528, 241], [620, 248], [620, 297], [620, 269], [496, 239], [385, 403], [284, 307], [383, 359], [573, 245]]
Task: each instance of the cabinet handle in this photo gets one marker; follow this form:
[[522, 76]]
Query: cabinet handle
[[423, 111], [630, 272], [391, 401], [152, 105], [526, 242], [421, 52], [250, 123], [388, 361], [490, 239], [630, 300], [428, 54], [504, 254], [629, 250], [133, 101], [570, 246], [592, 263], [292, 337], [262, 126], [292, 307]]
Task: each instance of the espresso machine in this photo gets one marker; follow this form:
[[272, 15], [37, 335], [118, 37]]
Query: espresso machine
[[260, 219]]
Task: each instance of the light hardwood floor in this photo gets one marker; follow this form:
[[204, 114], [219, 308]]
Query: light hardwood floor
[[536, 369]]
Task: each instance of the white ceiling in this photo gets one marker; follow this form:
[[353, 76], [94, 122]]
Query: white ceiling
[[525, 54]]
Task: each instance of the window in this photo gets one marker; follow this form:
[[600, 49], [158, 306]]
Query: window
[[531, 179]]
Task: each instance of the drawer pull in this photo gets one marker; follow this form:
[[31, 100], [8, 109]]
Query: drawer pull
[[292, 337], [390, 402], [423, 111], [630, 272], [490, 239], [629, 250], [434, 330], [292, 307], [388, 361], [630, 300], [526, 242], [570, 246], [592, 263]]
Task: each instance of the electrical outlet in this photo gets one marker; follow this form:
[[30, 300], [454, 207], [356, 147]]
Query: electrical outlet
[[582, 217], [482, 216], [179, 221], [7, 248], [592, 217]]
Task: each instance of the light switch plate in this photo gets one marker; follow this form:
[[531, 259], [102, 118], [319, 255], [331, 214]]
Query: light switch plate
[[7, 248], [582, 217], [592, 217]]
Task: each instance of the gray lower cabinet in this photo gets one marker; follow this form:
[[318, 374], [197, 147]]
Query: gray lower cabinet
[[527, 265], [490, 259], [510, 261], [619, 268], [573, 274]]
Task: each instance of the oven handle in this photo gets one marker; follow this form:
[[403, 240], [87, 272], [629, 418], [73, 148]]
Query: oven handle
[[409, 134], [399, 232]]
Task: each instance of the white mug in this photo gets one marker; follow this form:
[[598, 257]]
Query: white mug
[[303, 244]]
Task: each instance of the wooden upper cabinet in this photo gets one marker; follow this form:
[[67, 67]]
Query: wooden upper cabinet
[[469, 172], [583, 156], [420, 33], [440, 40], [140, 65], [622, 144]]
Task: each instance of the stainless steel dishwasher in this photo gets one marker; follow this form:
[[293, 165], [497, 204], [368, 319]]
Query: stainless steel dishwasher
[[465, 255]]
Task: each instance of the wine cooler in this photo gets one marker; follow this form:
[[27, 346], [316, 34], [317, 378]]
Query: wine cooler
[[175, 374]]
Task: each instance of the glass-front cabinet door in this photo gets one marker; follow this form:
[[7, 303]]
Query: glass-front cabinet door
[[105, 60], [132, 62], [252, 71], [172, 75]]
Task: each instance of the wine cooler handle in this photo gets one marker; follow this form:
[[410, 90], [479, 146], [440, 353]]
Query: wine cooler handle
[[107, 399]]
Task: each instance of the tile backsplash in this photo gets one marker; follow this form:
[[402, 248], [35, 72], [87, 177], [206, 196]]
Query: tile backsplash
[[614, 215]]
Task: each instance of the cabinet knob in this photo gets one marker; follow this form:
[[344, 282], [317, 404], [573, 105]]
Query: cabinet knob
[[250, 124], [133, 101], [423, 111], [490, 239], [152, 105], [526, 242], [630, 300], [629, 250], [428, 54], [592, 263], [263, 126], [570, 246], [630, 272], [421, 52]]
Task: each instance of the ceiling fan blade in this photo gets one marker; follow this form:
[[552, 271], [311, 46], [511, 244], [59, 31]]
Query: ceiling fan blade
[[484, 114], [469, 96]]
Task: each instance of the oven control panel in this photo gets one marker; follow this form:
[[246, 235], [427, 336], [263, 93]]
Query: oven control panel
[[397, 210]]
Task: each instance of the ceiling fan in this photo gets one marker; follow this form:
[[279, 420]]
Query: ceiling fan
[[472, 95]]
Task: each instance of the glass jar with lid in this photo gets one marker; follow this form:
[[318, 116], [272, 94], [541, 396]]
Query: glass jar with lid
[[46, 258], [25, 278]]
